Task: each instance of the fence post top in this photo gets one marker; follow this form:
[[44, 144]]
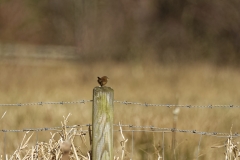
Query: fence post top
[[104, 88]]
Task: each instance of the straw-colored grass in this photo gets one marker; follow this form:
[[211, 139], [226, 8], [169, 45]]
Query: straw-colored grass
[[35, 80], [56, 148]]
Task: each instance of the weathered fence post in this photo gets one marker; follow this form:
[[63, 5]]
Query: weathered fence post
[[102, 120]]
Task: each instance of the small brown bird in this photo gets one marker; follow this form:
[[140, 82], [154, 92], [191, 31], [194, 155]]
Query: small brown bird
[[102, 81]]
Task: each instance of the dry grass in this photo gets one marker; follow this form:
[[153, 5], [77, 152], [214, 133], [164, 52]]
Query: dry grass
[[231, 147], [66, 146], [56, 148], [31, 80]]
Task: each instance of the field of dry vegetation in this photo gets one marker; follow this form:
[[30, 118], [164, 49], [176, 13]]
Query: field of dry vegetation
[[35, 80], [162, 52]]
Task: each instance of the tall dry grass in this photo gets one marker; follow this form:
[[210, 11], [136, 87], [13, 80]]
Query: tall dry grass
[[34, 80]]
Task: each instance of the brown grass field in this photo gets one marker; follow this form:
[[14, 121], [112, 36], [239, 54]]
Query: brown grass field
[[34, 80]]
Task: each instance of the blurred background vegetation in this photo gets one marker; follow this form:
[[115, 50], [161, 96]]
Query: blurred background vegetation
[[169, 31], [154, 51]]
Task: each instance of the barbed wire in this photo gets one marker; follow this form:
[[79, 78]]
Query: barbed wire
[[125, 103], [176, 105], [158, 129], [43, 129], [47, 103], [131, 128]]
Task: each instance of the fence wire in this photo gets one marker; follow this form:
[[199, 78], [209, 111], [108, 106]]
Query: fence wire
[[86, 128], [129, 128], [43, 129], [177, 105], [165, 130], [46, 103], [125, 103]]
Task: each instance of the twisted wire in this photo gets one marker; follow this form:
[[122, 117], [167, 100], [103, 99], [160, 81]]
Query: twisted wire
[[129, 128], [126, 103]]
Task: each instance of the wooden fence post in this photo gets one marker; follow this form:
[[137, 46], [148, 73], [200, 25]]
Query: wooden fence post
[[102, 121]]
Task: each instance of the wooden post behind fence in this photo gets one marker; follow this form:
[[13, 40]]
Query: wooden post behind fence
[[102, 121]]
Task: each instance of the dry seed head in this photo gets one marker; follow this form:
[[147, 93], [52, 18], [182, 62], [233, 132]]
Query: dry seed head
[[65, 146]]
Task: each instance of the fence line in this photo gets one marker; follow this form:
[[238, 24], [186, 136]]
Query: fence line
[[125, 103], [157, 129], [176, 105], [43, 129], [131, 128], [46, 103]]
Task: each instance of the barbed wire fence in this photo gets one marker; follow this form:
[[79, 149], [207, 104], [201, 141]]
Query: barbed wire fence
[[121, 127], [124, 102]]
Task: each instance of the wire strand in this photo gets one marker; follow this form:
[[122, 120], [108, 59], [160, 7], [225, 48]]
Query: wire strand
[[130, 128], [125, 103]]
